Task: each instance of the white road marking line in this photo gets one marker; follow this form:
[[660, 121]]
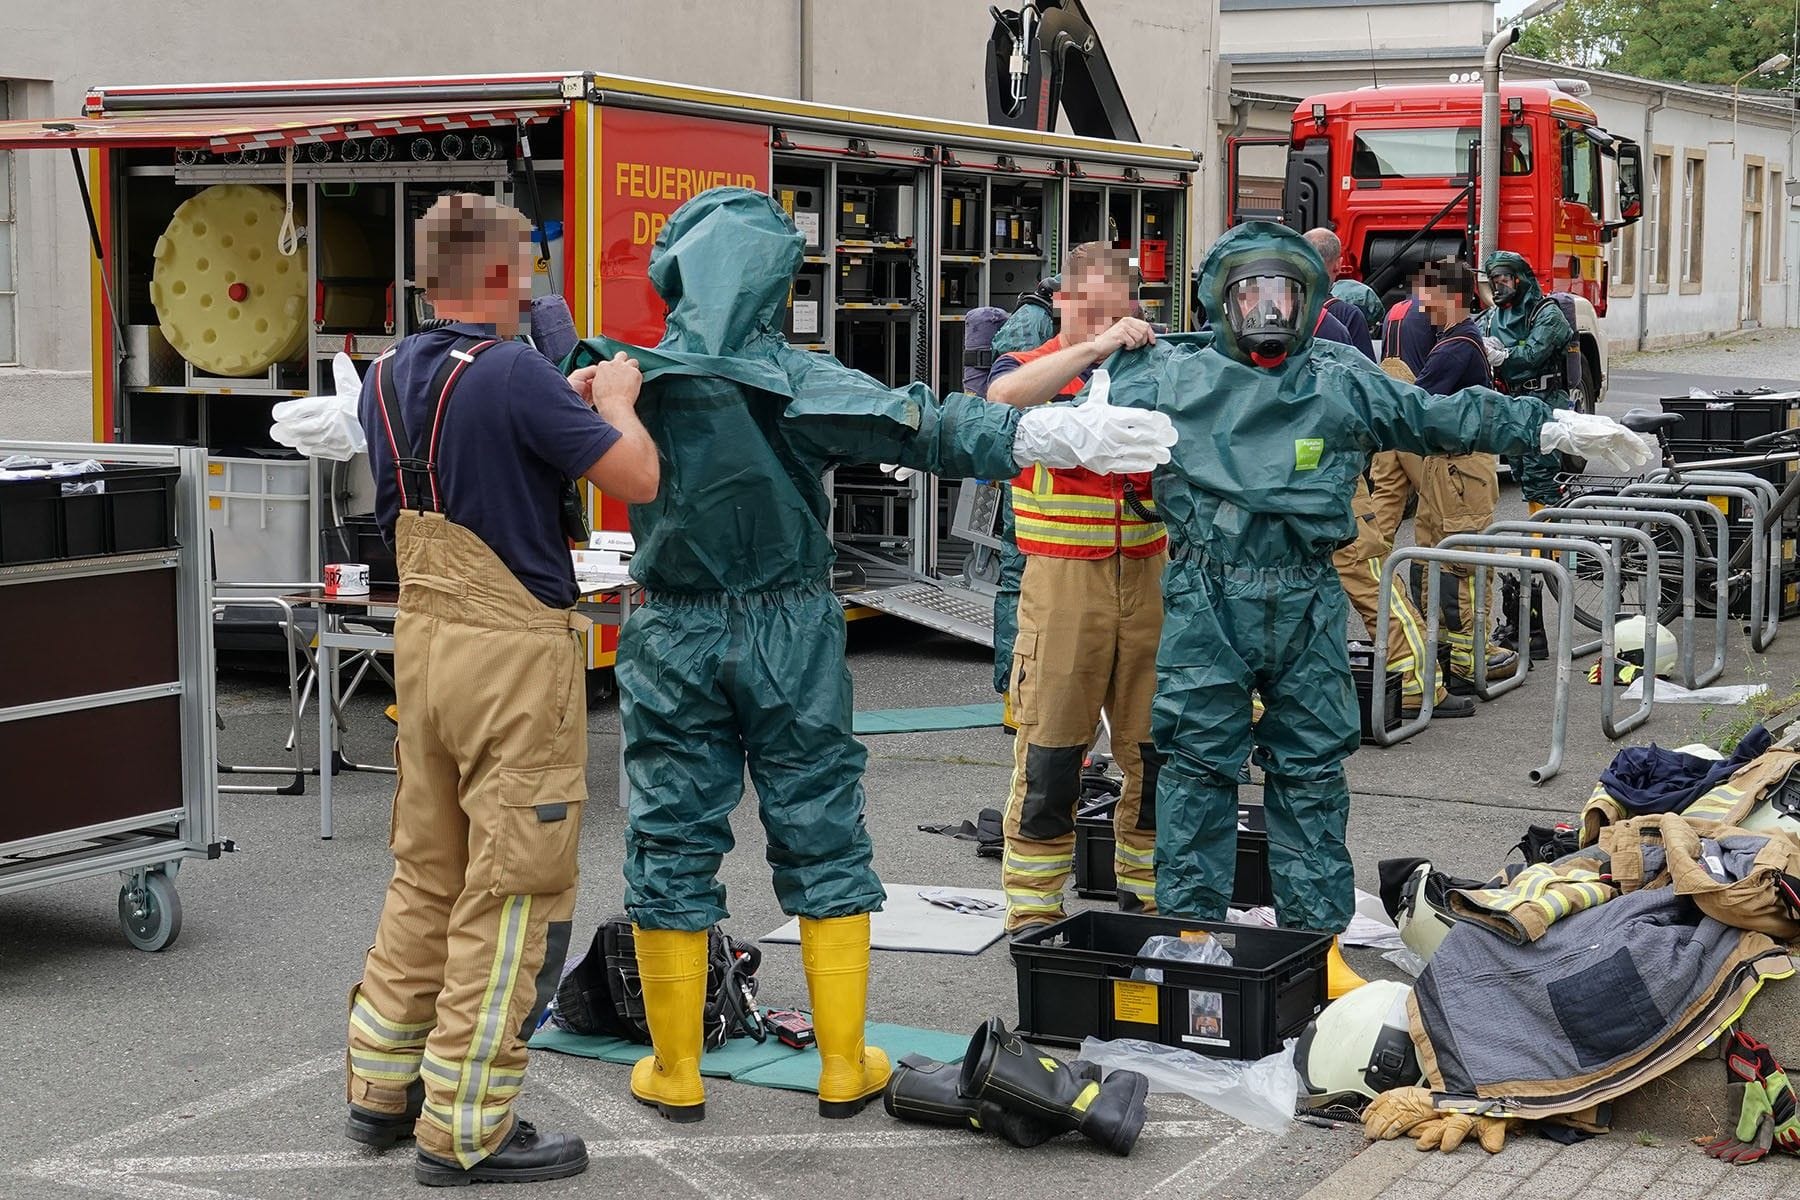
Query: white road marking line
[[1221, 1161]]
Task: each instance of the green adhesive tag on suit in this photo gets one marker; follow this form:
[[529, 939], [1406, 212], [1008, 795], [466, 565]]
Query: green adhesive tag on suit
[[1307, 452]]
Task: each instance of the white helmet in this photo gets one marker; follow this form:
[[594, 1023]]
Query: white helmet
[[1360, 1045], [1422, 917], [1628, 638]]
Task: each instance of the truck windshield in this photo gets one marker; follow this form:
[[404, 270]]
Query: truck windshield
[[1439, 153]]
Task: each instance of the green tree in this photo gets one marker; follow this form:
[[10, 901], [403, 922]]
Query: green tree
[[1687, 41]]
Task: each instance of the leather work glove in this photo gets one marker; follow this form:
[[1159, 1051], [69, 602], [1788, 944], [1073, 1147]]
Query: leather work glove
[[1397, 1111], [1749, 1060], [1094, 434], [1600, 440], [1449, 1130]]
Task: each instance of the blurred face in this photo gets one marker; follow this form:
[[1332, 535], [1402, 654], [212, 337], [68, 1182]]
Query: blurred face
[[1091, 301]]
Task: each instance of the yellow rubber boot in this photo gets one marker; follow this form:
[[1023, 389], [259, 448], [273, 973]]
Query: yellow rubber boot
[[1340, 980], [835, 952], [672, 966]]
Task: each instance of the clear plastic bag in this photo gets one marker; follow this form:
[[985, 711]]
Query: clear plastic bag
[[1261, 1094], [1201, 951]]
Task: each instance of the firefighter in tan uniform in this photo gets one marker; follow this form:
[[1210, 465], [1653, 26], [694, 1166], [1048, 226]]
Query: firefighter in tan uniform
[[1090, 615], [472, 438]]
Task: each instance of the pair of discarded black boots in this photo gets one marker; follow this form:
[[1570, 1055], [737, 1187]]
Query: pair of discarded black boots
[[1005, 1087]]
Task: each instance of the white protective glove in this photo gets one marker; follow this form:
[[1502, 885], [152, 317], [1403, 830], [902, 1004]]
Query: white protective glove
[[324, 426], [1496, 353], [1094, 434], [1600, 440], [900, 474]]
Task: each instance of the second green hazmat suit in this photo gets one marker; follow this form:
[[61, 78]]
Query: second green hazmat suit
[[1257, 497], [1534, 335], [1360, 294]]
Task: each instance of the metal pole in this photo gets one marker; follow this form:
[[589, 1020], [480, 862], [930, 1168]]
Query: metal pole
[[1490, 141]]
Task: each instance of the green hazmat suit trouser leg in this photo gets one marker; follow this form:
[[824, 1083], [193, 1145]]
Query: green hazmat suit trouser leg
[[713, 683], [1006, 598], [1537, 472], [1280, 632]]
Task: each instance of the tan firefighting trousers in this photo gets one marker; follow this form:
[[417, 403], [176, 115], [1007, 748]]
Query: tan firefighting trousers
[[492, 758], [1088, 632], [1457, 494], [1359, 568]]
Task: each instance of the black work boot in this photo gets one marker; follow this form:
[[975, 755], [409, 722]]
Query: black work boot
[[1540, 638], [1507, 634], [1001, 1068], [526, 1157], [381, 1130], [924, 1091]]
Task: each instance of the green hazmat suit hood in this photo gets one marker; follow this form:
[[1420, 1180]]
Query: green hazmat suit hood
[[1363, 298], [1511, 323], [1282, 251], [724, 264]]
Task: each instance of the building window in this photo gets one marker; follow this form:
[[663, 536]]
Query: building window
[[1623, 256], [9, 300], [1693, 220], [1657, 214], [1775, 217]]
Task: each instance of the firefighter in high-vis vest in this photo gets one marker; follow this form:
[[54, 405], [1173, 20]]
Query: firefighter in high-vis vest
[[1527, 337], [472, 439], [1090, 614], [735, 660]]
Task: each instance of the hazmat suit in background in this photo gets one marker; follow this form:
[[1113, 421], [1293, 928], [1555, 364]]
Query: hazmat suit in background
[[1527, 337], [736, 658], [1363, 297], [1274, 428]]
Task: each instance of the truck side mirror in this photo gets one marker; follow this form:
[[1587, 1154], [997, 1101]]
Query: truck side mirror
[[1631, 180]]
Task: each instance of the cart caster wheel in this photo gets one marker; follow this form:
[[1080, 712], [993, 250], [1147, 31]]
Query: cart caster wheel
[[150, 913]]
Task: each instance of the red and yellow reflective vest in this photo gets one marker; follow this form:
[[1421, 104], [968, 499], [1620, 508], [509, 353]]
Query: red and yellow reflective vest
[[1072, 512]]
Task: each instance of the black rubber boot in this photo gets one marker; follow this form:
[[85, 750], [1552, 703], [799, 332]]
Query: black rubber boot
[[1001, 1068], [382, 1130], [1507, 634], [1540, 638], [527, 1157], [924, 1091]]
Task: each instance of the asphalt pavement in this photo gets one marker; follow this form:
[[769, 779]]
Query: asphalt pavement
[[214, 1070]]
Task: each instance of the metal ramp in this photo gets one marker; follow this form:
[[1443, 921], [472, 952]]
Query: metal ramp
[[946, 607]]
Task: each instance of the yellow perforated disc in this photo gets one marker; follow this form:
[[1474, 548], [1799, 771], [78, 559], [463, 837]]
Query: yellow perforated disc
[[227, 299]]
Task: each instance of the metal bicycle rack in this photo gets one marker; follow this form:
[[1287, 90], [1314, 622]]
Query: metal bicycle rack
[[1642, 508], [1765, 605], [1609, 613], [1434, 558]]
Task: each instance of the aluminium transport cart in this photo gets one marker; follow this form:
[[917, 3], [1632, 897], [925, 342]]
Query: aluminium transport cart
[[106, 679]]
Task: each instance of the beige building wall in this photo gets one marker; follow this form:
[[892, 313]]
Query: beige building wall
[[923, 56]]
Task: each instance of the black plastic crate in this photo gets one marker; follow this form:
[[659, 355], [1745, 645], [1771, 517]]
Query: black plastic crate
[[1730, 420], [1096, 877], [1777, 473], [1075, 981], [1362, 670], [136, 511]]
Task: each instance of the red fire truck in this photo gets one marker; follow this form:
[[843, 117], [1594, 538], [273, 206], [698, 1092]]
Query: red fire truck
[[1394, 170]]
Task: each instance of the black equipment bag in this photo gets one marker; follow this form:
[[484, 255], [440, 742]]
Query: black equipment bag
[[601, 994]]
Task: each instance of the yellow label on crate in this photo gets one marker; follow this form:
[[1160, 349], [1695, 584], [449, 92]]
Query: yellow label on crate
[[215, 502], [215, 468], [956, 210], [1722, 503], [1134, 1002]]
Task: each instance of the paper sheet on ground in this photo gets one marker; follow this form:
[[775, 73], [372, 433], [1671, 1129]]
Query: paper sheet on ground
[[1369, 928], [909, 922], [1670, 692]]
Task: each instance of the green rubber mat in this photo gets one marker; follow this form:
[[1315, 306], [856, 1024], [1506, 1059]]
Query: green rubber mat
[[769, 1064], [925, 720]]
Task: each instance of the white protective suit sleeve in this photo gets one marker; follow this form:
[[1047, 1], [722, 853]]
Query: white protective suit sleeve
[[1600, 440], [1094, 434]]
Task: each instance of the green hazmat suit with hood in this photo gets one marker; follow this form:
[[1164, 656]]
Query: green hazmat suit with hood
[[1359, 294], [1030, 326], [736, 657], [1256, 498], [1534, 330]]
